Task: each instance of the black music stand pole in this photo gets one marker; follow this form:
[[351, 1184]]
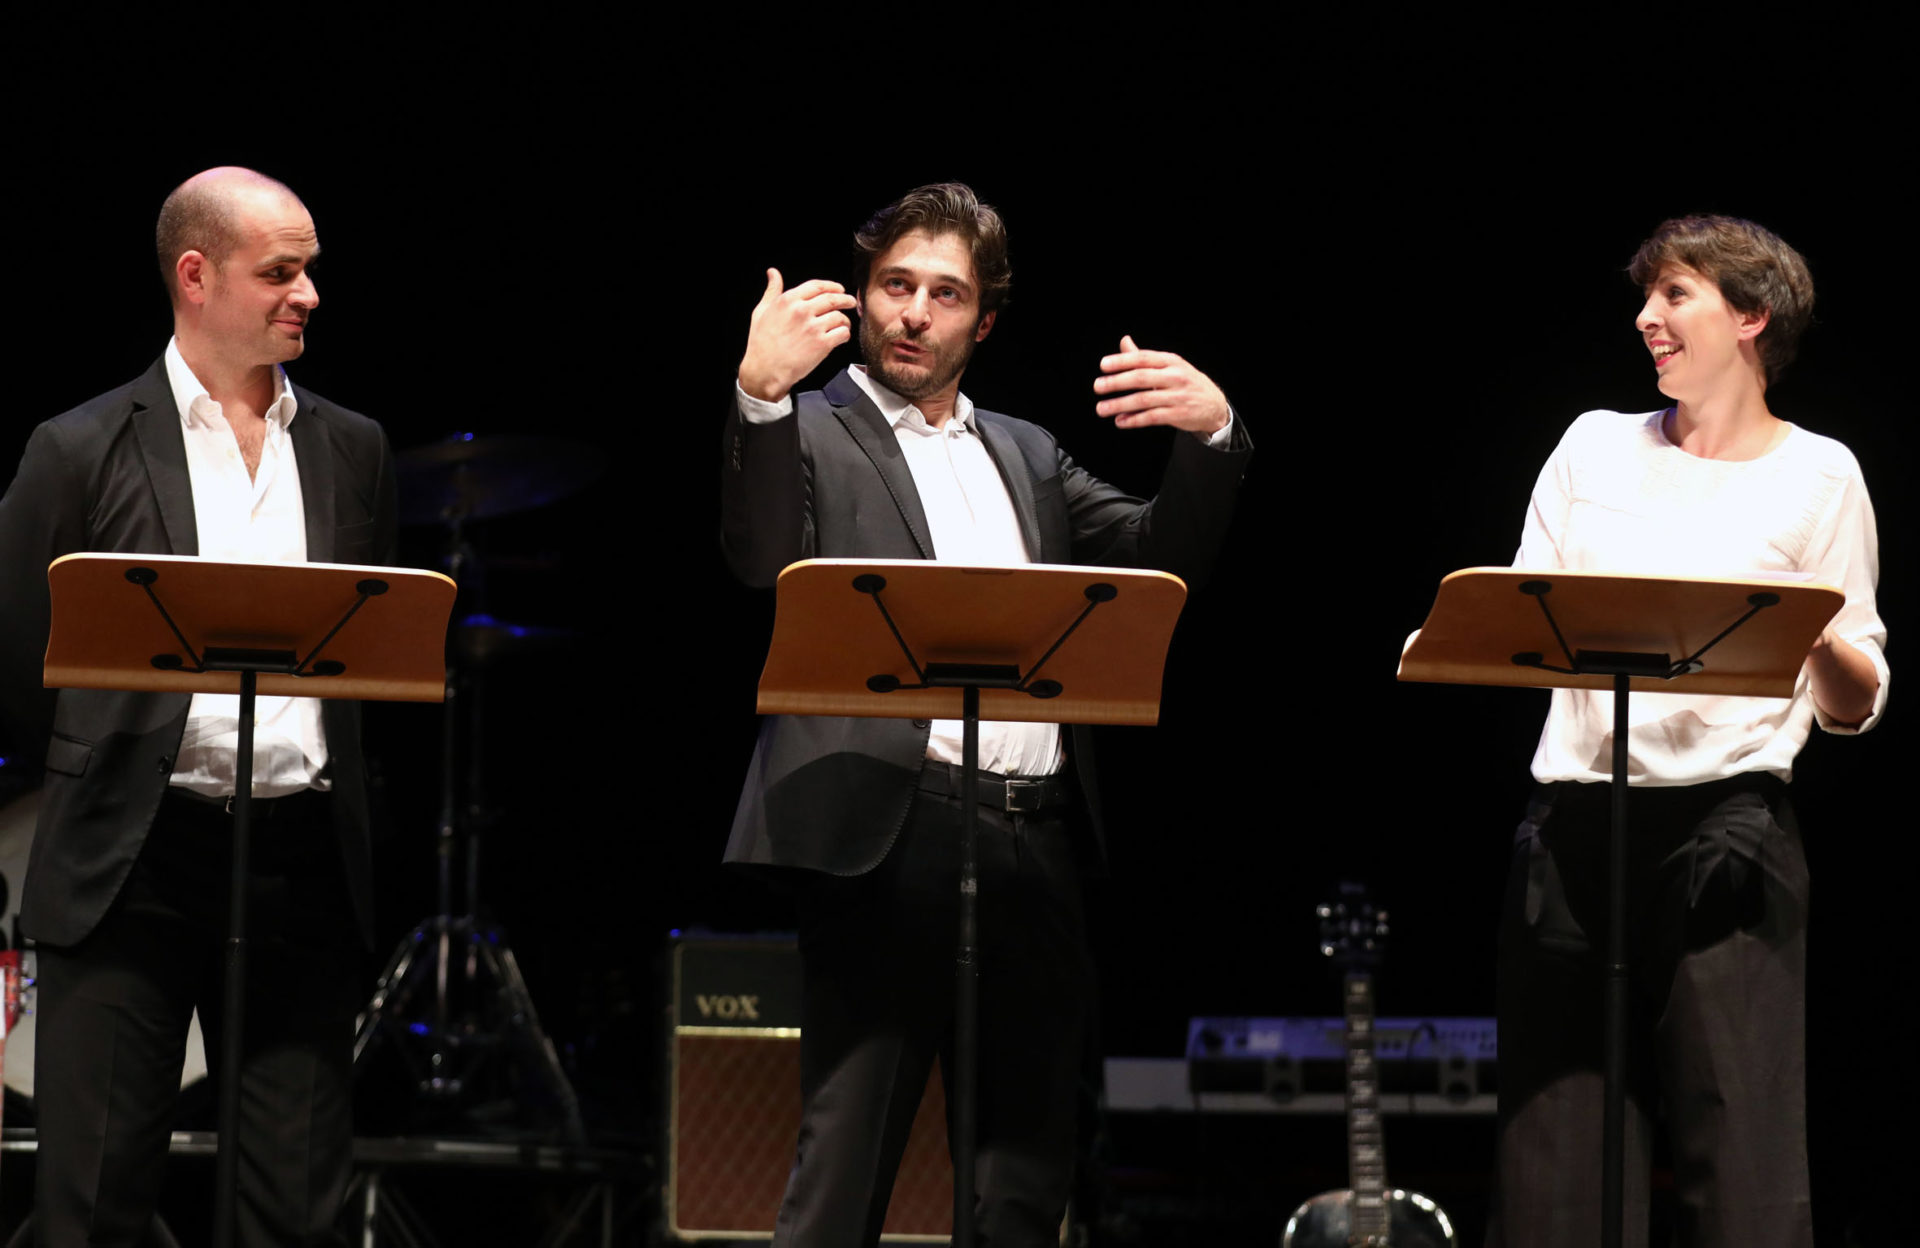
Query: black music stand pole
[[966, 1007], [1613, 1121], [226, 1184]]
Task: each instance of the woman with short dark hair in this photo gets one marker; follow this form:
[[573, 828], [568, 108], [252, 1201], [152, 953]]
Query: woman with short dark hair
[[1713, 485]]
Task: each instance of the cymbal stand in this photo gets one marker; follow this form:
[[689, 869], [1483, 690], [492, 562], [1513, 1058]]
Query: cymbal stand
[[448, 1052]]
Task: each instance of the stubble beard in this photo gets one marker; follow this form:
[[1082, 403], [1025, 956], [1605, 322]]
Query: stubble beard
[[941, 366]]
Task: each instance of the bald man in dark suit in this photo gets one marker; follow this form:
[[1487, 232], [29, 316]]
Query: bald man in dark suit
[[211, 452]]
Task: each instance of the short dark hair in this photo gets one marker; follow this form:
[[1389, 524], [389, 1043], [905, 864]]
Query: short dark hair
[[942, 208], [199, 216], [1753, 267]]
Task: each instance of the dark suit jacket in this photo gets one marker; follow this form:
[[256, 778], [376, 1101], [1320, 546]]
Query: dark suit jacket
[[830, 794], [111, 476]]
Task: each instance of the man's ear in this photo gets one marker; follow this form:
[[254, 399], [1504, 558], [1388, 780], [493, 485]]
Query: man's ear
[[1750, 325], [193, 274], [985, 327]]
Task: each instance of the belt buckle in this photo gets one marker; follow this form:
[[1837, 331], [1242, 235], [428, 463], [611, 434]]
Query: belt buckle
[[1024, 797]]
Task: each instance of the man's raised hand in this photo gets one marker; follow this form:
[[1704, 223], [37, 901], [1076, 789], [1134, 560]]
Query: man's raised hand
[[790, 333], [1158, 388]]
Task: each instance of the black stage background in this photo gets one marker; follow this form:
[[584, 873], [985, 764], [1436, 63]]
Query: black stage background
[[1408, 285]]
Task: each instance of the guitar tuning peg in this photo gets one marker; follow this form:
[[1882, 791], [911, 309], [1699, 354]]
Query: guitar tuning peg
[[1323, 911], [1380, 915], [1326, 949]]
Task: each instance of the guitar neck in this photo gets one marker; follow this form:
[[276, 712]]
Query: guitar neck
[[1366, 1151]]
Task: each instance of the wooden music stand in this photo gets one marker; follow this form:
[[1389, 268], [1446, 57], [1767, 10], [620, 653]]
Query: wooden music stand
[[1584, 630], [922, 640], [178, 624]]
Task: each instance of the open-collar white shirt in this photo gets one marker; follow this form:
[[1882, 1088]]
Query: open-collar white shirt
[[242, 519]]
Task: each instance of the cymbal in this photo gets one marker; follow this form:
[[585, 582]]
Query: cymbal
[[472, 477]]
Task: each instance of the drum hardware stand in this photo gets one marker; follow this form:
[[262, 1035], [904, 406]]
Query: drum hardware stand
[[446, 1052]]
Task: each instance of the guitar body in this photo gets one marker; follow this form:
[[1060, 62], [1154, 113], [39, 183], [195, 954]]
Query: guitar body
[[1326, 1222]]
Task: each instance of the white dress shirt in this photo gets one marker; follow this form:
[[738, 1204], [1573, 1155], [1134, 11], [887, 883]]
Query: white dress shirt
[[1617, 496], [242, 519]]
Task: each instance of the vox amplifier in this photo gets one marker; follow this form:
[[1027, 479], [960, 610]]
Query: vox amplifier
[[733, 1089]]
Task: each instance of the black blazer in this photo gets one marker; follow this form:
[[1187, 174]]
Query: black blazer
[[830, 794], [111, 476]]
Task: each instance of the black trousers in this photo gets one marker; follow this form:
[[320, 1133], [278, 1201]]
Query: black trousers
[[1717, 900], [877, 952], [113, 1018]]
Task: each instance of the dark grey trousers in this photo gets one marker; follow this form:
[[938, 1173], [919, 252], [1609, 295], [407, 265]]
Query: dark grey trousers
[[878, 958], [112, 1032], [1717, 901]]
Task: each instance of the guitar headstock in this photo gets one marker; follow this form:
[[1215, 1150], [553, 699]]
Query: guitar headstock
[[1353, 930]]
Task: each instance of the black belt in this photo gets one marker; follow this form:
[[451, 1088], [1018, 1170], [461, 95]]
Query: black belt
[[1021, 795], [262, 808]]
